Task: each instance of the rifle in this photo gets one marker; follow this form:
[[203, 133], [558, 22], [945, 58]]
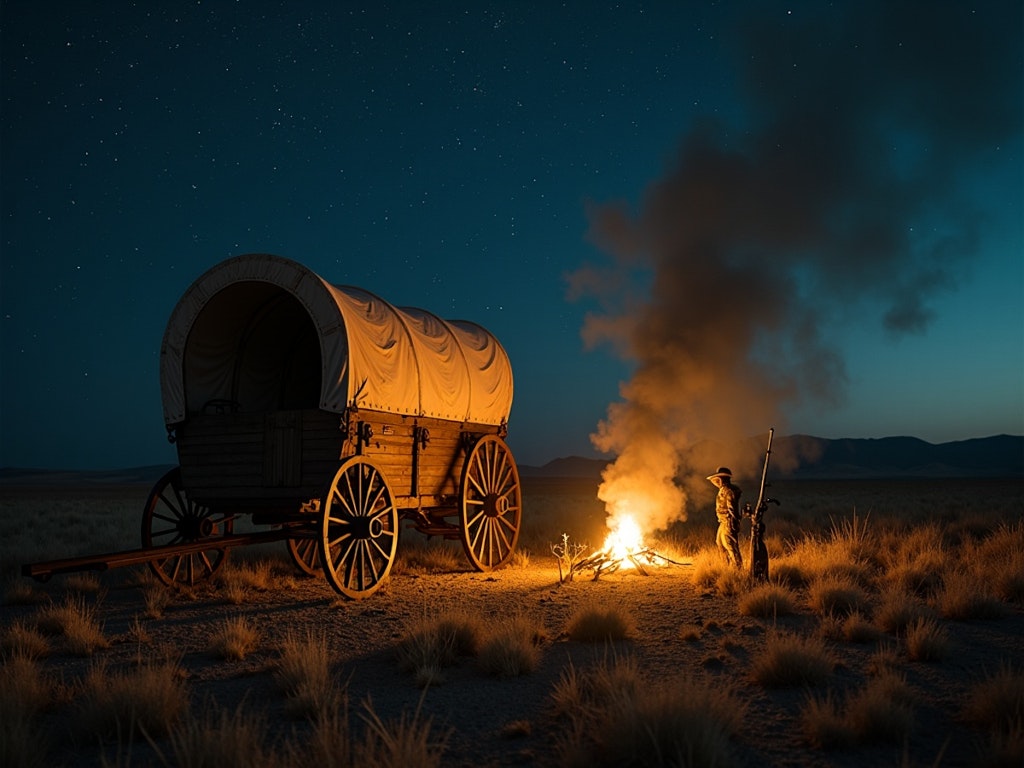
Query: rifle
[[758, 551]]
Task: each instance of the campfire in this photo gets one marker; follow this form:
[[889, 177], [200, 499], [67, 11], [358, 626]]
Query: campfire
[[623, 548]]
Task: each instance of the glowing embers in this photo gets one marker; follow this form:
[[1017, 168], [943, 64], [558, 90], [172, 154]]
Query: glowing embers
[[623, 548]]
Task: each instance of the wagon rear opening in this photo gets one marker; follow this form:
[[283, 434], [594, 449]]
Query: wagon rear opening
[[330, 416]]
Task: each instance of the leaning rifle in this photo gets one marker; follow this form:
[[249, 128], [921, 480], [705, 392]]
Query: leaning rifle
[[758, 551]]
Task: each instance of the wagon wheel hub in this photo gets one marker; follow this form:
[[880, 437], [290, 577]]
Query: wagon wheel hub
[[365, 527], [193, 527], [495, 505]]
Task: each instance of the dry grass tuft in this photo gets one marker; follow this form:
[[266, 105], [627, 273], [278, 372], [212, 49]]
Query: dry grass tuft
[[858, 629], [834, 595], [22, 592], [791, 660], [997, 702], [512, 649], [24, 693], [898, 611], [964, 596], [596, 623], [20, 639], [616, 717], [408, 741], [881, 711], [767, 601], [304, 674], [147, 699], [235, 639], [75, 622], [433, 643], [223, 739], [927, 641]]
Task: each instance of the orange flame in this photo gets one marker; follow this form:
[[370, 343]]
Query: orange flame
[[624, 540]]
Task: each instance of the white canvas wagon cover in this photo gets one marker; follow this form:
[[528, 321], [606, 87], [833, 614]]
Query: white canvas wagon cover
[[261, 333]]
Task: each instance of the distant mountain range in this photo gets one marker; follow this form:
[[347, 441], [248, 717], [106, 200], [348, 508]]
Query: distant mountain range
[[888, 457]]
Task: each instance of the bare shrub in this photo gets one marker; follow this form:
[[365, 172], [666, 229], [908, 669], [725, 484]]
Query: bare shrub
[[595, 623], [512, 649], [791, 660], [767, 601], [235, 639], [927, 641], [898, 611], [830, 594], [223, 739], [75, 622], [619, 718], [303, 673], [147, 699]]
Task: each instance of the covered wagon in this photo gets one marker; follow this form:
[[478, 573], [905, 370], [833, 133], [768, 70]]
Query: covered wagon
[[329, 416]]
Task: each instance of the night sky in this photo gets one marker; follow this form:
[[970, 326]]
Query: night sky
[[791, 215]]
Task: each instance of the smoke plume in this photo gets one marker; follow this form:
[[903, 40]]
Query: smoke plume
[[837, 195]]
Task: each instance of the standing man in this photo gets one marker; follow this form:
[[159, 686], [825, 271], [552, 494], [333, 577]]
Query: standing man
[[727, 508]]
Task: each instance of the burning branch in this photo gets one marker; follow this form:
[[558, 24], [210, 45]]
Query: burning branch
[[623, 547]]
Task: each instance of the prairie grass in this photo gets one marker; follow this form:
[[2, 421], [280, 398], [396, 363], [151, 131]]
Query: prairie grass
[[789, 660], [997, 701], [74, 621], [927, 640], [240, 576], [432, 643], [767, 601], [409, 741], [614, 716], [303, 672], [880, 711], [221, 738], [24, 693], [417, 556], [147, 699], [898, 610], [235, 639], [512, 648], [20, 639], [858, 629], [593, 623], [964, 597], [22, 592], [708, 567], [833, 595]]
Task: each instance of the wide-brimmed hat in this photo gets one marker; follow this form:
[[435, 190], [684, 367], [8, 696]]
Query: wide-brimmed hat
[[722, 472]]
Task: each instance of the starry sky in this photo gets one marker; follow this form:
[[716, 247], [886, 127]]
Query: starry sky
[[833, 193]]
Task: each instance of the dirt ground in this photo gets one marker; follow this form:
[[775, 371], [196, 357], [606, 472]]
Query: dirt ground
[[476, 710]]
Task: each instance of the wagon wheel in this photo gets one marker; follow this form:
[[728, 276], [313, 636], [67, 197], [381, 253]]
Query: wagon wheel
[[305, 553], [359, 529], [171, 517], [491, 506]]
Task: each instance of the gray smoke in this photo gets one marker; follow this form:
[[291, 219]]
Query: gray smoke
[[839, 195]]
